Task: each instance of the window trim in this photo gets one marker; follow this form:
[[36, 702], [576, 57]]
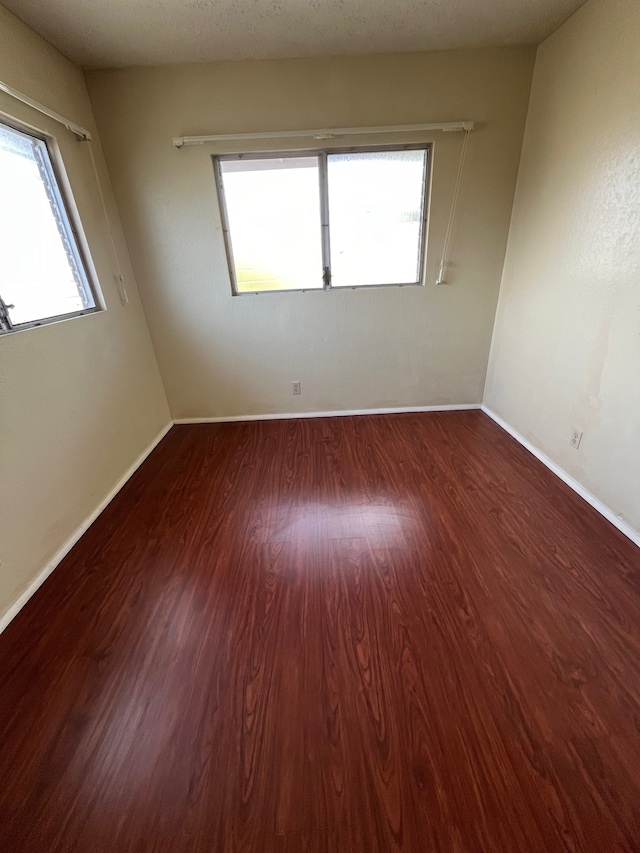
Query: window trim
[[65, 202], [322, 154]]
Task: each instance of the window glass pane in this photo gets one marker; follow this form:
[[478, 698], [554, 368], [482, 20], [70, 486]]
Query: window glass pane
[[375, 216], [273, 213], [40, 270]]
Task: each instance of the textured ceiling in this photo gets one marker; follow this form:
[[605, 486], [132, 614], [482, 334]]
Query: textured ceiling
[[112, 33]]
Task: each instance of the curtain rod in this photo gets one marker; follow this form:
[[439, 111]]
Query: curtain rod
[[451, 126], [80, 132]]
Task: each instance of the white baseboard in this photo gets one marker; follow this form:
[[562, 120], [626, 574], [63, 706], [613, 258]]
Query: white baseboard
[[457, 407], [597, 504], [62, 552]]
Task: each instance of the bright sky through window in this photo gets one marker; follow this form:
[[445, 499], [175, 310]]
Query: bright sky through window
[[41, 272], [308, 222]]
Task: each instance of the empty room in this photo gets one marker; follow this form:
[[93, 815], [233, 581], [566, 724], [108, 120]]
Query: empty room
[[320, 426]]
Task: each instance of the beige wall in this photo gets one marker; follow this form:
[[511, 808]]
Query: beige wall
[[566, 350], [80, 399], [223, 355]]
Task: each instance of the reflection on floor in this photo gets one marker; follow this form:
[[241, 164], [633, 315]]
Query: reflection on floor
[[354, 635]]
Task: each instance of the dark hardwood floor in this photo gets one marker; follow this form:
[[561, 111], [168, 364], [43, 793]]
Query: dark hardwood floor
[[347, 635]]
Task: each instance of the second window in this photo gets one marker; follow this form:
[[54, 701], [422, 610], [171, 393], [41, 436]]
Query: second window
[[350, 218]]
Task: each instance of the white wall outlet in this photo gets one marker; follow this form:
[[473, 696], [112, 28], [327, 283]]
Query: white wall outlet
[[576, 438], [296, 388]]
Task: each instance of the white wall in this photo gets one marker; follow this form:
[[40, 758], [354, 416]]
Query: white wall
[[566, 349], [222, 355], [79, 399]]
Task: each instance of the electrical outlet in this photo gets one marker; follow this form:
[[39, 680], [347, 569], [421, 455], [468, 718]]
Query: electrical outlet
[[576, 438], [296, 388]]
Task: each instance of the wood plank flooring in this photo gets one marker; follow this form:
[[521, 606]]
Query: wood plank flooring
[[346, 635]]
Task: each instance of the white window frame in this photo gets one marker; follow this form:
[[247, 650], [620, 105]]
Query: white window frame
[[77, 245], [322, 155]]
